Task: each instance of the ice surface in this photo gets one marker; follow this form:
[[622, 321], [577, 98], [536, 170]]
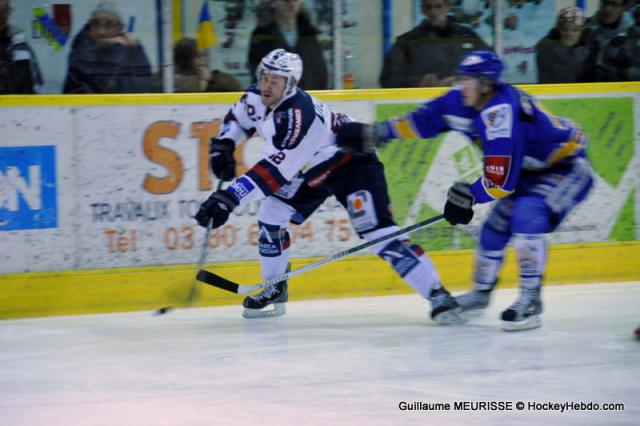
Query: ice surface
[[327, 362]]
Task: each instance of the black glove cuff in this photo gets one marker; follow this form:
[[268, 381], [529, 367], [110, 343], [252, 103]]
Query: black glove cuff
[[221, 145], [226, 197], [460, 195]]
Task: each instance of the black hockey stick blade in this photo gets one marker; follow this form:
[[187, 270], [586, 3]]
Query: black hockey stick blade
[[215, 280]]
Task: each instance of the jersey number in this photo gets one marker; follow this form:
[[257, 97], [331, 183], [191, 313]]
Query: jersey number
[[278, 157]]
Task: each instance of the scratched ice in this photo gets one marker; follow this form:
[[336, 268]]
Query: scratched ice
[[327, 362]]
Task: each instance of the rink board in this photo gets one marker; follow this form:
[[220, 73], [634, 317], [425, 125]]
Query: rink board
[[76, 261], [118, 290]]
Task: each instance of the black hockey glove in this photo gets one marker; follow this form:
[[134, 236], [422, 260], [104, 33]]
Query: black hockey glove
[[221, 160], [459, 206], [359, 137], [218, 207]]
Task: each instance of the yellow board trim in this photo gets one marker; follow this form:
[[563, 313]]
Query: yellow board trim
[[326, 95], [119, 290]]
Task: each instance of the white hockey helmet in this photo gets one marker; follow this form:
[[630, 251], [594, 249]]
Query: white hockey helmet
[[281, 62]]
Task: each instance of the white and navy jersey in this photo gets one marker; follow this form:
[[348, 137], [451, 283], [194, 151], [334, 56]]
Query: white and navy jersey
[[299, 140], [514, 130]]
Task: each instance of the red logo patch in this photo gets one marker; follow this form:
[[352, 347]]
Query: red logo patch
[[496, 168]]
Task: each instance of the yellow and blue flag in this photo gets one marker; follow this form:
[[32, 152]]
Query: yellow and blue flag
[[206, 35]]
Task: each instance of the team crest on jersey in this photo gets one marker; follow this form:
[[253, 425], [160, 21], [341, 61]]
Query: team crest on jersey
[[498, 121], [496, 169]]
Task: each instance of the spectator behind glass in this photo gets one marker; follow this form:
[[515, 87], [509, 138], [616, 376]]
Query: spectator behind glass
[[614, 49], [633, 35], [566, 54], [19, 72], [634, 30], [429, 54], [610, 20], [191, 72], [104, 59], [287, 26]]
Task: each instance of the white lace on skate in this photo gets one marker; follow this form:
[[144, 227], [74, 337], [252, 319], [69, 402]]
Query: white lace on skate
[[524, 313], [265, 294]]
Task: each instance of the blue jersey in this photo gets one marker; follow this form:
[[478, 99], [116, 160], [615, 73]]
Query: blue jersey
[[514, 131]]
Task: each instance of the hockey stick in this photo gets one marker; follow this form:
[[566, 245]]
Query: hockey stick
[[193, 290], [223, 283]]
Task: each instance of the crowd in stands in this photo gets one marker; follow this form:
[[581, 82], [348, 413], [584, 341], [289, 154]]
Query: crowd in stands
[[105, 58]]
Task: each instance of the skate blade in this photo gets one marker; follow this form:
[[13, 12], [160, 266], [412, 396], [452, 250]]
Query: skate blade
[[451, 317], [473, 312], [274, 310], [527, 324]]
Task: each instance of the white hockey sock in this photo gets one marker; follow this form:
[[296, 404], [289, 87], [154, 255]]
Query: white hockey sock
[[424, 277], [486, 268], [532, 258], [408, 260], [273, 249]]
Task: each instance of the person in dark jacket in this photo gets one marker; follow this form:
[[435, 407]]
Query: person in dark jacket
[[287, 26], [19, 72], [104, 59], [567, 53], [609, 27], [429, 54]]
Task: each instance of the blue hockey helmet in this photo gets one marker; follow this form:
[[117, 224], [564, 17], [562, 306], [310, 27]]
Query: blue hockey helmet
[[482, 64]]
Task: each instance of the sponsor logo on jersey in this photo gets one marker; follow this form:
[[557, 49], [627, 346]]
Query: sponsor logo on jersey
[[241, 187], [294, 127], [362, 210], [28, 190], [498, 120], [400, 256], [496, 168]]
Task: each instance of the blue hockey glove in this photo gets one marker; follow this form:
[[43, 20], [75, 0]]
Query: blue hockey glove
[[459, 206], [221, 160], [218, 207], [360, 137]]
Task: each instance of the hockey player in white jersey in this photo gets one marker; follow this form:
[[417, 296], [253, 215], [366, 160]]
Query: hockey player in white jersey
[[301, 167]]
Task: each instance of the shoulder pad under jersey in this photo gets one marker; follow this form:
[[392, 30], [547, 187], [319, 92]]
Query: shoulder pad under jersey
[[292, 120]]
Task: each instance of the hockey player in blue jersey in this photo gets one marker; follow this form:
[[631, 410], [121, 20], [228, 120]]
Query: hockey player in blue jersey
[[301, 167], [534, 165]]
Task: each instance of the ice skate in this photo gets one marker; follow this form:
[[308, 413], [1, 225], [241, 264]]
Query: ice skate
[[444, 308], [474, 301], [525, 312], [274, 296], [268, 303]]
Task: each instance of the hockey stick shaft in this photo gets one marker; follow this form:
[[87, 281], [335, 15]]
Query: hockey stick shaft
[[193, 289], [203, 254], [223, 283]]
